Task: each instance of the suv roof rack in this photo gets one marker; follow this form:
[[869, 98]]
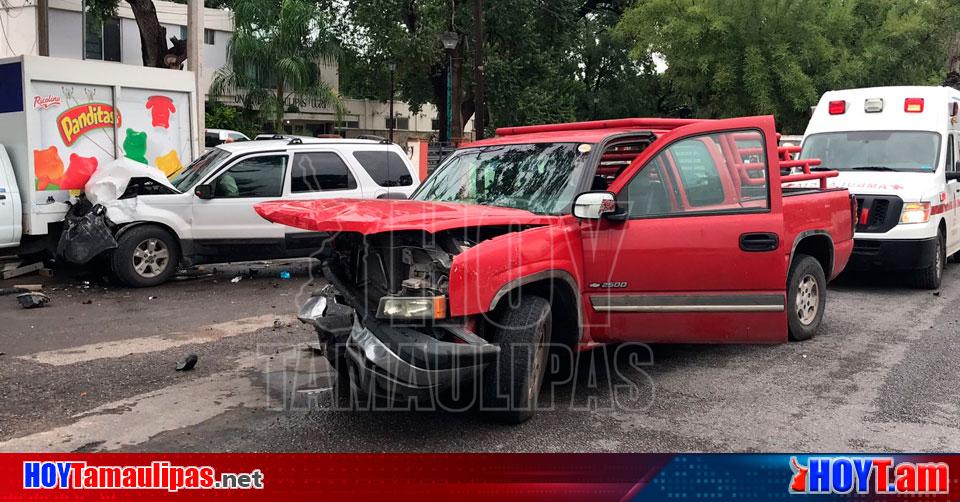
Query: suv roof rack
[[372, 137], [659, 124]]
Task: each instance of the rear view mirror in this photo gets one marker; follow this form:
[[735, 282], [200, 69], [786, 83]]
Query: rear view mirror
[[593, 205], [203, 192], [954, 175]]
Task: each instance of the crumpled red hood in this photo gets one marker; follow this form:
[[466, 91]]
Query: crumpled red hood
[[390, 215]]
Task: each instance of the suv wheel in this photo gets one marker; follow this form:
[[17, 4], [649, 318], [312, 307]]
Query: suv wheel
[[806, 297], [145, 256], [511, 384], [931, 276]]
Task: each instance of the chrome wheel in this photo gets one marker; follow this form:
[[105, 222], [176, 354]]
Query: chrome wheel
[[807, 302], [151, 258]]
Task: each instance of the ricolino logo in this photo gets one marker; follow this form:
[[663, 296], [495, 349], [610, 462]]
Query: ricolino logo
[[877, 475]]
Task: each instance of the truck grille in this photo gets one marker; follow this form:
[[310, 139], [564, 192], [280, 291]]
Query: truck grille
[[878, 214]]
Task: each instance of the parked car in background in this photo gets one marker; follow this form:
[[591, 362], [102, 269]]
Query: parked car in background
[[214, 137], [635, 230], [896, 149], [206, 213]]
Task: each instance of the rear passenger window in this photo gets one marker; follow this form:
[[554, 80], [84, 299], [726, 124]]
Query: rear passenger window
[[713, 172], [320, 172], [386, 168]]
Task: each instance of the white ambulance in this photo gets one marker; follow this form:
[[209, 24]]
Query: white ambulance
[[896, 149]]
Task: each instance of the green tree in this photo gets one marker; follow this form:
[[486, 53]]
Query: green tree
[[743, 57], [275, 57], [532, 67]]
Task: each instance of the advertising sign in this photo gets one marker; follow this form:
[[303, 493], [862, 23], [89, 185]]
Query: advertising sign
[[80, 126]]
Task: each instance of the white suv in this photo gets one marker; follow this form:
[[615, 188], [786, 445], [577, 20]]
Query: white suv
[[207, 216]]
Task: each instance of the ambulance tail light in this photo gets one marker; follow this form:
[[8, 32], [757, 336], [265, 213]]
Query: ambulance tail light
[[838, 107], [913, 105]]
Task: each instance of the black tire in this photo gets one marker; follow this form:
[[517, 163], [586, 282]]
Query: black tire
[[931, 276], [511, 384], [807, 283], [161, 261]]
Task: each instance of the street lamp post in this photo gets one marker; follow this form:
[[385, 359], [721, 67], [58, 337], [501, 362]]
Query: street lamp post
[[450, 39], [393, 78]]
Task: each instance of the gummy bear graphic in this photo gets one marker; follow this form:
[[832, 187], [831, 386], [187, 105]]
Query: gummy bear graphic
[[48, 167], [169, 163], [161, 107], [79, 172], [135, 146]]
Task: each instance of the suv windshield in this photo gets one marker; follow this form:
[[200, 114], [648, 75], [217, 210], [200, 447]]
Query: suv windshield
[[875, 150], [204, 165], [542, 178]]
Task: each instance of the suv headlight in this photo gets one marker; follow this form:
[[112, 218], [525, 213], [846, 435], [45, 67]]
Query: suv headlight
[[412, 307], [915, 212]]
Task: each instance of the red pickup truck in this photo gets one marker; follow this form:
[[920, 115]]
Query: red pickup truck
[[633, 230]]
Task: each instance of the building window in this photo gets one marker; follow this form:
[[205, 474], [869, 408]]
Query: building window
[[208, 37], [183, 33], [435, 124], [349, 124], [402, 123], [102, 39]]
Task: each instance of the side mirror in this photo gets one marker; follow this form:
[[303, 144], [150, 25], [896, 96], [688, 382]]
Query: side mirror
[[593, 205], [203, 192], [953, 175]]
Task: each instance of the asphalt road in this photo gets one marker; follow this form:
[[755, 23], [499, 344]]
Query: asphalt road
[[94, 371]]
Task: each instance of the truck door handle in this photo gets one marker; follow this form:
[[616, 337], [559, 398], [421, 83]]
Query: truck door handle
[[3, 197], [759, 242]]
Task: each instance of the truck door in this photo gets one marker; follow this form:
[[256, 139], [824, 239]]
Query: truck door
[[9, 202], [953, 195], [699, 257], [227, 225]]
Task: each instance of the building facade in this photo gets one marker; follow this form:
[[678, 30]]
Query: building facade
[[73, 35]]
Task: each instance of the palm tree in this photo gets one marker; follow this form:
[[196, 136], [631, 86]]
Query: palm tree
[[276, 53]]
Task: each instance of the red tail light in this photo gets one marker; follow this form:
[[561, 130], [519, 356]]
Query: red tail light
[[913, 105], [838, 107]]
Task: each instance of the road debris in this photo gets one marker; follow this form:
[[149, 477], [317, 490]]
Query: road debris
[[236, 279], [188, 363], [32, 300], [285, 275]]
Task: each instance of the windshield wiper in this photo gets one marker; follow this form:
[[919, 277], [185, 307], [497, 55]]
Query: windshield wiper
[[872, 168]]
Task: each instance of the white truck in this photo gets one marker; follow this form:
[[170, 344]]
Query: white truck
[[897, 150], [61, 119]]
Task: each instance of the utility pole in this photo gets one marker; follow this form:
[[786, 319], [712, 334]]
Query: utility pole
[[393, 80], [478, 84], [195, 62], [43, 27]]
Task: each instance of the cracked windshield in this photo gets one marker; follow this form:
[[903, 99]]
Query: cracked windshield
[[542, 178]]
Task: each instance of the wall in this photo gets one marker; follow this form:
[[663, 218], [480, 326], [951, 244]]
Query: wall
[[19, 28]]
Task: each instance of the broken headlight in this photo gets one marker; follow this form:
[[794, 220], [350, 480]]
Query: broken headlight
[[412, 307]]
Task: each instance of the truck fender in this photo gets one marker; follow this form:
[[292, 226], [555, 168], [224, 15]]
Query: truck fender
[[553, 274], [826, 260]]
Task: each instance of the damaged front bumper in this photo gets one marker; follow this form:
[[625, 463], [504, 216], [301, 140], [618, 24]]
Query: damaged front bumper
[[397, 362]]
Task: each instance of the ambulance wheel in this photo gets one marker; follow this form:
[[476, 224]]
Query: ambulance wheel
[[806, 297], [931, 276], [512, 382], [146, 255]]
